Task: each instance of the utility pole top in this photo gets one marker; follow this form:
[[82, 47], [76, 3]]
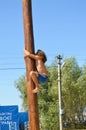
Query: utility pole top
[[59, 57]]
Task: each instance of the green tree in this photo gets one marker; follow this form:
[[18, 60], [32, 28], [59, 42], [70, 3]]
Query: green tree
[[70, 75], [81, 85], [20, 84]]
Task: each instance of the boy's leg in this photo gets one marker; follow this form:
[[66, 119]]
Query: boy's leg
[[34, 76]]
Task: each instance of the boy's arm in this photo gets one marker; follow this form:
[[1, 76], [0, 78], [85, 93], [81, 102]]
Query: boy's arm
[[28, 54]]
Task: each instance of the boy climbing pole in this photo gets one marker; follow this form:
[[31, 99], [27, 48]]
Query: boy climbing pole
[[40, 76]]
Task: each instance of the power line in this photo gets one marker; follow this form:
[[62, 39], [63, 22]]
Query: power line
[[12, 68]]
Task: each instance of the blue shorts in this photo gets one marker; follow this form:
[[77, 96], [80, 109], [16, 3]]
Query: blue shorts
[[42, 79]]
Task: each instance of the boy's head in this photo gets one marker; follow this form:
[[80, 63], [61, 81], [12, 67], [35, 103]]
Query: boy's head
[[42, 54]]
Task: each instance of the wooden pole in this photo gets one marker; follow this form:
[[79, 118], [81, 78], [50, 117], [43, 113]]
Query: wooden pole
[[30, 65]]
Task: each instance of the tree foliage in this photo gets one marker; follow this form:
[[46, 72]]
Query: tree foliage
[[73, 93]]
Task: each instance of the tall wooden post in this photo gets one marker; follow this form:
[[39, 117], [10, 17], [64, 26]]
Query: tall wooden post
[[30, 65]]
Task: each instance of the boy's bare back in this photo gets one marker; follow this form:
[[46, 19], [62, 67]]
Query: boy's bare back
[[41, 67]]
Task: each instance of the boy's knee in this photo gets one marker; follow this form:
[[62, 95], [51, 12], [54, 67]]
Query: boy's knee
[[31, 73]]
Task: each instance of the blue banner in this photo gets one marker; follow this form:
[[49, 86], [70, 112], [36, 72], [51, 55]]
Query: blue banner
[[23, 120], [9, 118]]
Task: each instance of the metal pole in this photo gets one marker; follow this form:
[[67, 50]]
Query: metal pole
[[59, 91], [30, 65]]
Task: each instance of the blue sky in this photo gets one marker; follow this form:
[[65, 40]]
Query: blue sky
[[59, 28]]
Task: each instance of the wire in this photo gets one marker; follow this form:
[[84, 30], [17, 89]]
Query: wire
[[11, 68]]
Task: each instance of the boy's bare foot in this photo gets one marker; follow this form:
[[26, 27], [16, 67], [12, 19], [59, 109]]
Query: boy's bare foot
[[36, 90]]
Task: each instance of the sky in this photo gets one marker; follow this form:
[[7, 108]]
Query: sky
[[59, 28]]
